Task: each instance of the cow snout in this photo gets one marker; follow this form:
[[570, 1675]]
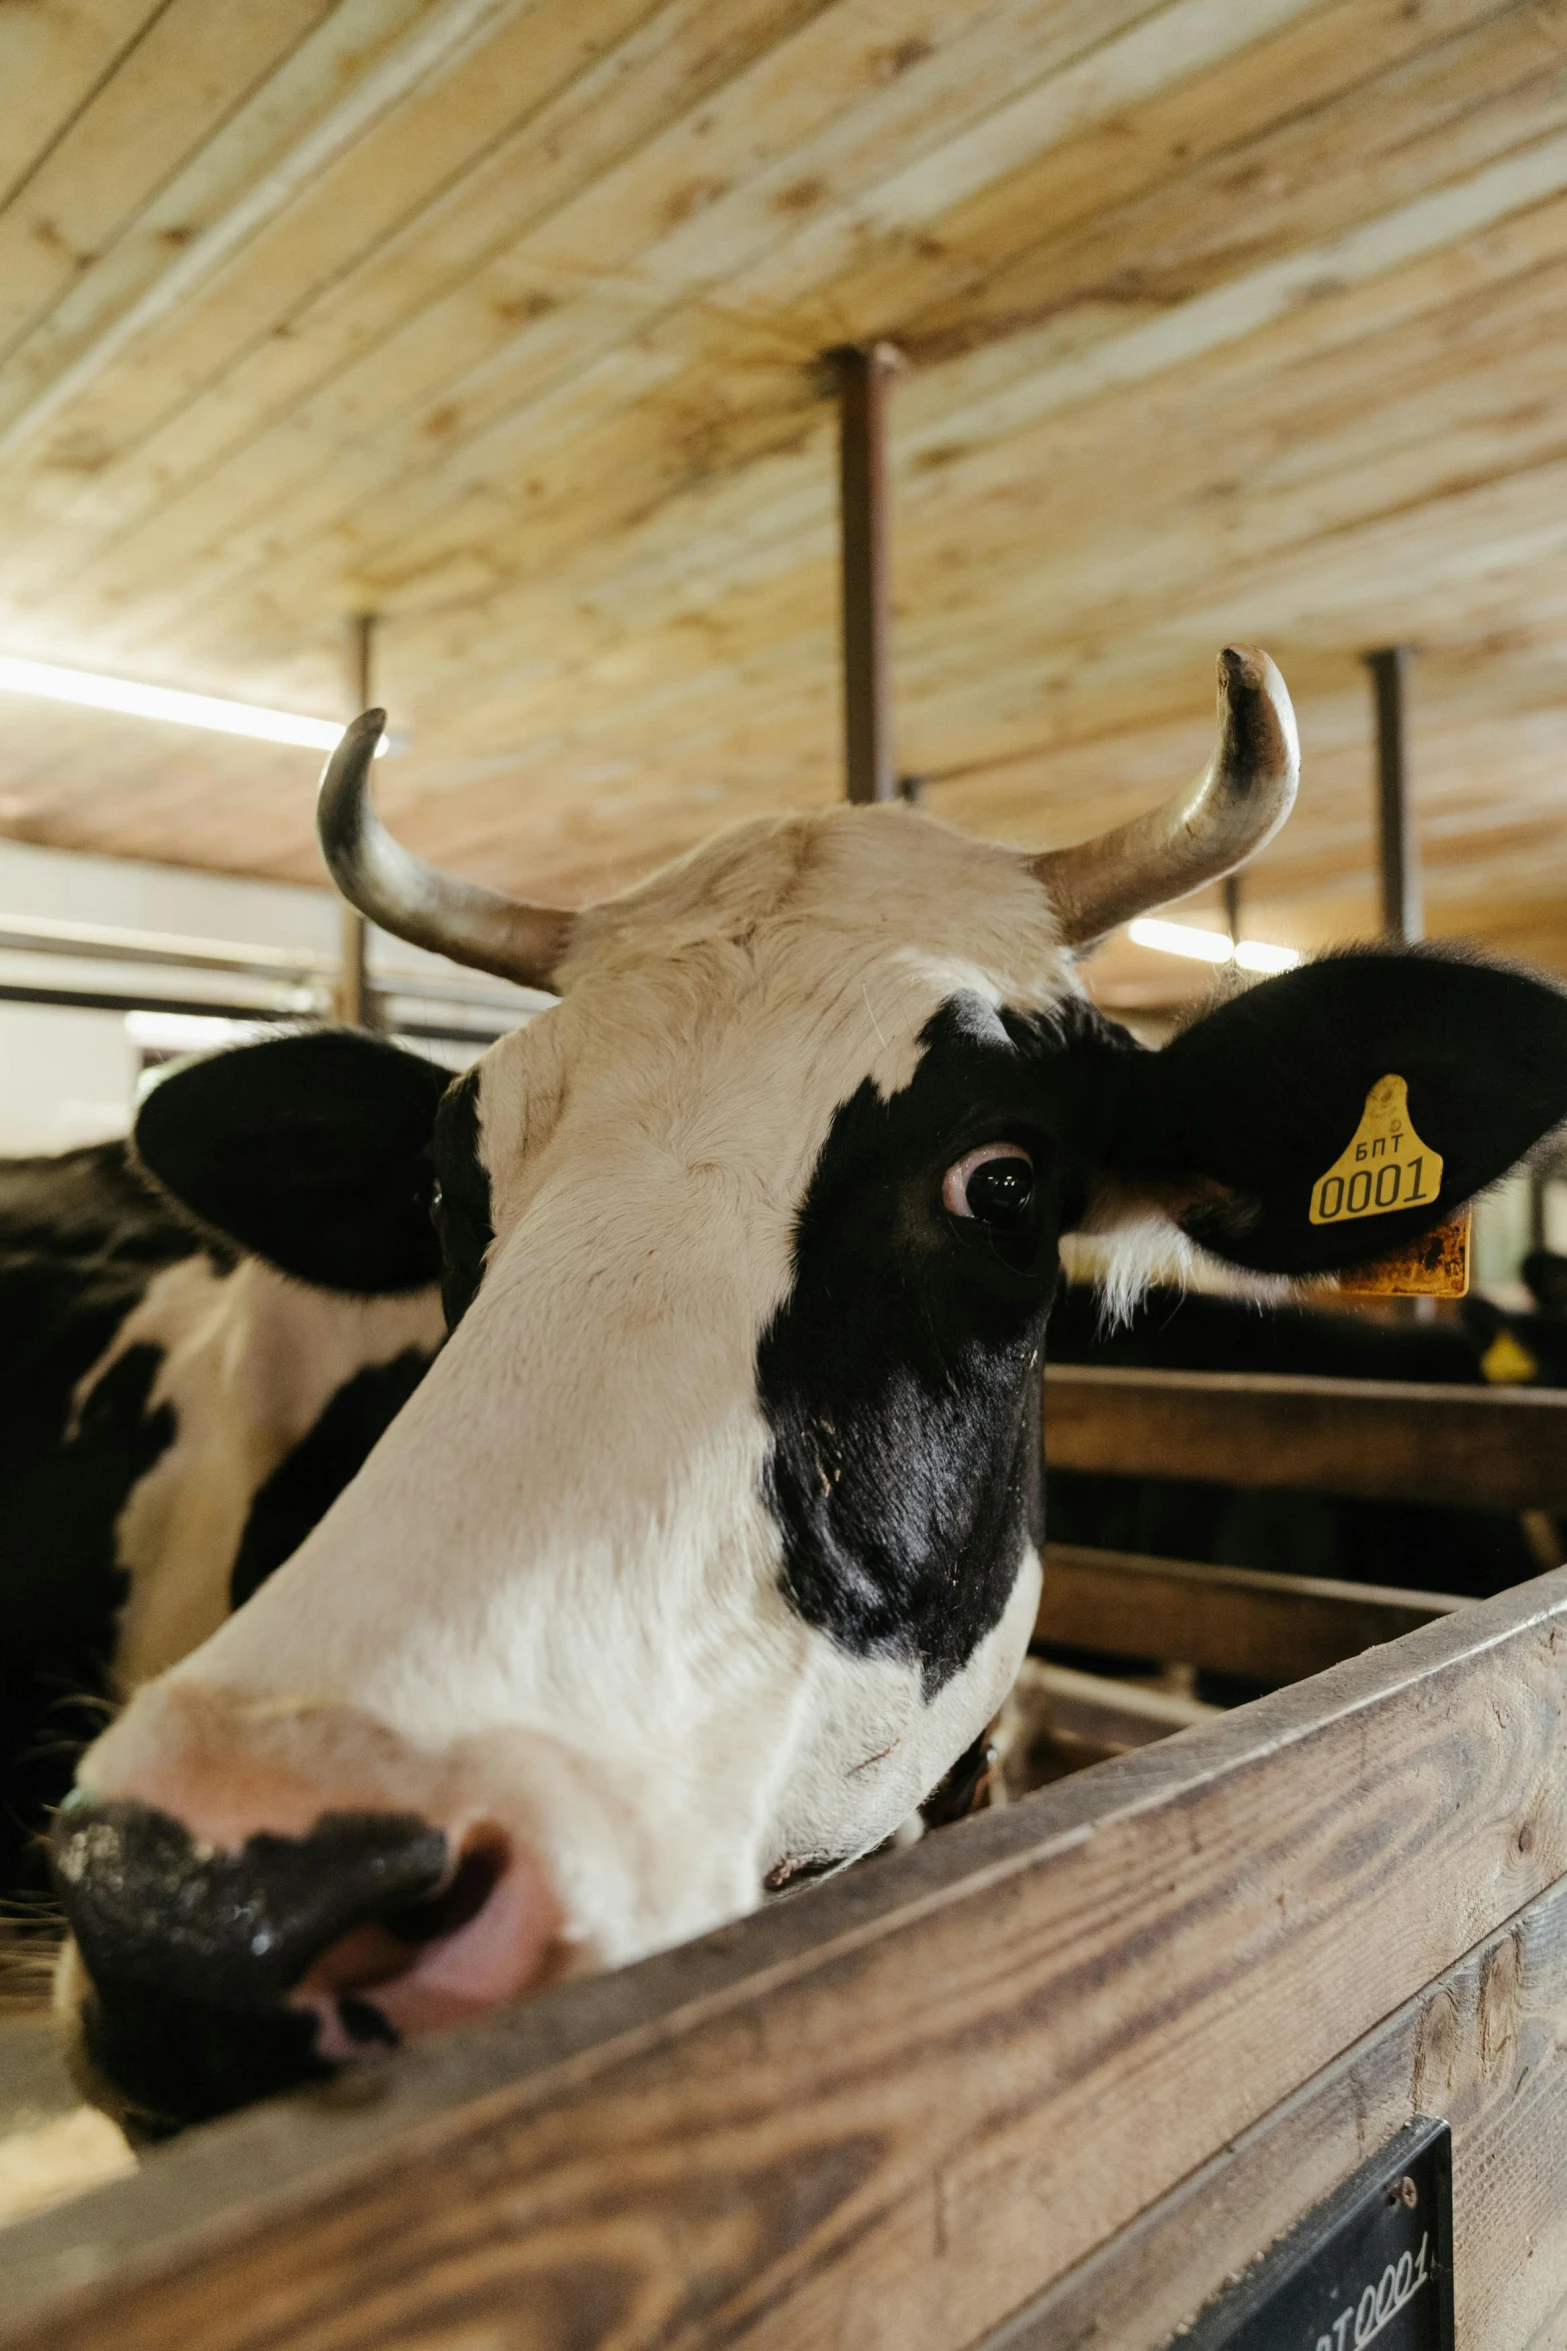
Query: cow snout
[[207, 1976]]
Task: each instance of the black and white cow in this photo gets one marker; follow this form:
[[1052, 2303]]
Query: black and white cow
[[711, 1537], [174, 1417]]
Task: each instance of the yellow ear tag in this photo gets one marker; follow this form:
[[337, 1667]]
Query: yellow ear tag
[[1383, 1166], [1507, 1362]]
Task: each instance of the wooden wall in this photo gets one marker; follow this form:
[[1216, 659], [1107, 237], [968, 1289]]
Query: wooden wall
[[503, 317]]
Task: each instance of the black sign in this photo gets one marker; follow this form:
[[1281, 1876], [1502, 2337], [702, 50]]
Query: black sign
[[1372, 2264]]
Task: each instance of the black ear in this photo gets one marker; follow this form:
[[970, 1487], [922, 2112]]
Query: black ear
[[1281, 1098], [312, 1151]]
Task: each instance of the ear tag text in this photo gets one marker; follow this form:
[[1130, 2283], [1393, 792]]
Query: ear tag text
[[1384, 1165]]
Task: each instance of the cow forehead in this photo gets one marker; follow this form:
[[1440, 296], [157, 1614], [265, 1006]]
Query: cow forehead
[[732, 1002]]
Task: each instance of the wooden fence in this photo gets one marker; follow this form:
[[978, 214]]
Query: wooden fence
[[1042, 2082], [1493, 1448]]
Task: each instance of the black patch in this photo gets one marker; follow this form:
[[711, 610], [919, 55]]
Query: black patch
[[901, 1379], [462, 1200], [192, 1954], [313, 1151], [308, 1480], [81, 1236], [1262, 1095]]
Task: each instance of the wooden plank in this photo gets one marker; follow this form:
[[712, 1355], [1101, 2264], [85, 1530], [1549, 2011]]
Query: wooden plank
[[1106, 1713], [891, 2111], [1087, 348], [60, 52], [1228, 1619], [1485, 2047], [171, 91], [1389, 1440], [582, 489]]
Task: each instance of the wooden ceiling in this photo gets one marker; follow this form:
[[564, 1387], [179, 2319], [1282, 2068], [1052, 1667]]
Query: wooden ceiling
[[504, 319]]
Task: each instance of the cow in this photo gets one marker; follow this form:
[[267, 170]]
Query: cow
[[1525, 1347], [1421, 1546], [711, 1537], [175, 1414]]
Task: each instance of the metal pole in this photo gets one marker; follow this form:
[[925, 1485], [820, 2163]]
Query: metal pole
[[863, 380], [1403, 915], [355, 1005]]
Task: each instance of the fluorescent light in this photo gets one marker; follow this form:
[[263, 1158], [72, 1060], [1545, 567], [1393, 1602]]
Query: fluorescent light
[[43, 679], [1184, 938], [191, 1032], [1257, 955]]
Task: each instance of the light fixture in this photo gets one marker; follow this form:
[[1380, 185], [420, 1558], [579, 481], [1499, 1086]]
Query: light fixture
[[51, 684], [1184, 938], [191, 1032]]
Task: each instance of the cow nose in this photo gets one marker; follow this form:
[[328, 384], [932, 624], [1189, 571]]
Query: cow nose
[[192, 1952]]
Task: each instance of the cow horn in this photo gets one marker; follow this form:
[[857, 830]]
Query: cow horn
[[415, 901], [1238, 802]]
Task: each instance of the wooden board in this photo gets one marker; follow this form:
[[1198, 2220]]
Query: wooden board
[[1386, 1440], [893, 2110], [505, 318], [1481, 2047], [1228, 1619]]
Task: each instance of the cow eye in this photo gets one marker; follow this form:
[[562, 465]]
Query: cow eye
[[994, 1185]]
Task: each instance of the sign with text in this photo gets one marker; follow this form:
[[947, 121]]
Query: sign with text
[[1372, 2264]]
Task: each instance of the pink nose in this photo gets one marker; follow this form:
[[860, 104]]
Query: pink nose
[[235, 1952], [488, 1932]]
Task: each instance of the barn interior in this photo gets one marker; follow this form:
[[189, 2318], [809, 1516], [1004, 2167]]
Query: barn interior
[[491, 360]]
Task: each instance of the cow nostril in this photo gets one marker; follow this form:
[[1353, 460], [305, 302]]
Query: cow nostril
[[476, 1877], [492, 1931]]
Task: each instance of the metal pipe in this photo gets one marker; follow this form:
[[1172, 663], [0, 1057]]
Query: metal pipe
[[288, 967], [864, 375], [143, 1000], [1403, 914], [93, 942], [230, 1008], [355, 1008]]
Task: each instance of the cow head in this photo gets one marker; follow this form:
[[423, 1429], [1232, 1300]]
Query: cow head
[[711, 1539]]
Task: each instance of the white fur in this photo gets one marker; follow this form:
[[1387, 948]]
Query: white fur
[[555, 1580], [249, 1360]]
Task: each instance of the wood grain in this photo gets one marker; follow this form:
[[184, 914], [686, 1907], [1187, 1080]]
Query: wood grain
[[891, 2111], [1279, 1628], [1482, 2047], [1484, 1448], [1224, 320]]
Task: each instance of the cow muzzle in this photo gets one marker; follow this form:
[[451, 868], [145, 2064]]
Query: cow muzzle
[[210, 1975]]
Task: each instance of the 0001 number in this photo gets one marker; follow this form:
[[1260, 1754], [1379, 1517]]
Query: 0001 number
[[1399, 2283], [1367, 1190]]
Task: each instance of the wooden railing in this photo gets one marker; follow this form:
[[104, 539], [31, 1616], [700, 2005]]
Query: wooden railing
[[1047, 2078], [1278, 1628], [1492, 1448]]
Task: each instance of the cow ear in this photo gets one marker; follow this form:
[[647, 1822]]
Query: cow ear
[[1338, 1112], [312, 1151]]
